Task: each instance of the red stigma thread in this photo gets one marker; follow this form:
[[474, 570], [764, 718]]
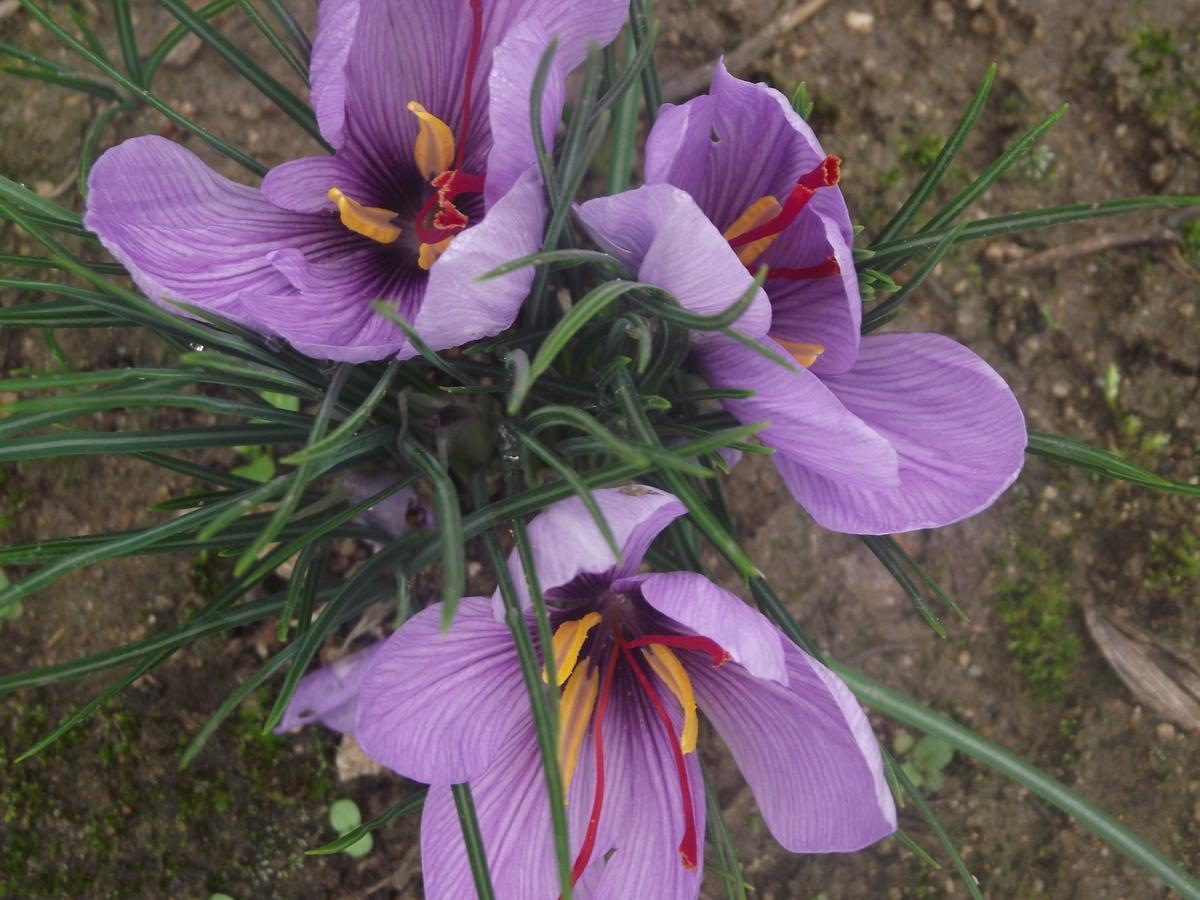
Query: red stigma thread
[[826, 174], [684, 642], [589, 839], [822, 270], [688, 850], [472, 62]]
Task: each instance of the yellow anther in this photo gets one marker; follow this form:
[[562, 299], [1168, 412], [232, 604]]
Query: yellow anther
[[369, 221], [429, 253], [764, 209], [574, 713], [434, 151], [667, 667], [804, 353], [565, 645]]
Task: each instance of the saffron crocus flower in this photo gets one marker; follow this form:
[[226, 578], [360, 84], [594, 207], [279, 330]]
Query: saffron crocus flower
[[637, 657], [878, 434], [432, 184]]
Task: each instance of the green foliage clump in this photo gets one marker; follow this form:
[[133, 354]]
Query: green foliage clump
[[1168, 71], [1037, 614]]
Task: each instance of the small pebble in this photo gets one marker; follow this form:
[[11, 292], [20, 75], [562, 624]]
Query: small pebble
[[1165, 731], [862, 22], [943, 12]]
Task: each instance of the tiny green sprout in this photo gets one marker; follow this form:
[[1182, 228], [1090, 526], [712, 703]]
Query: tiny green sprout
[[288, 402], [1152, 443], [1112, 385], [12, 610], [345, 816], [260, 468], [219, 897], [800, 102], [902, 742], [929, 758]]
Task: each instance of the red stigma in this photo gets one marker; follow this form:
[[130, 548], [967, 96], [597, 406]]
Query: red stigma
[[822, 270], [589, 839], [826, 174], [472, 62], [688, 850], [684, 642]]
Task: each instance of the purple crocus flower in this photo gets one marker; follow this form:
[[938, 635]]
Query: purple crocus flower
[[875, 434], [432, 184], [636, 656]]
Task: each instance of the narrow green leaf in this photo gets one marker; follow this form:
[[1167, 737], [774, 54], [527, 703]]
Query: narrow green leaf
[[450, 525], [297, 65], [81, 84], [1084, 456], [557, 257], [882, 313], [473, 841], [84, 443], [171, 39], [127, 38], [882, 552], [351, 424]]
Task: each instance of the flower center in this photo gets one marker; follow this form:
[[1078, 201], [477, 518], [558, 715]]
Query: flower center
[[586, 691], [765, 219], [439, 219]]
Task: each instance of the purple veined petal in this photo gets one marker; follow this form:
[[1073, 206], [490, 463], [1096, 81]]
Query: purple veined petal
[[567, 543], [327, 312], [302, 185], [743, 142], [809, 424], [457, 307], [957, 430], [186, 233], [700, 606], [437, 707], [364, 75], [514, 66], [329, 695], [826, 310], [659, 232], [806, 750], [394, 515], [641, 820]]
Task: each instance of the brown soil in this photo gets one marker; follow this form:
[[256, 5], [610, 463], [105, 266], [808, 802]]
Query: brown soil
[[107, 815]]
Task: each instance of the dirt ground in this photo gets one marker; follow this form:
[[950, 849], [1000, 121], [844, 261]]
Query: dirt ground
[[106, 814]]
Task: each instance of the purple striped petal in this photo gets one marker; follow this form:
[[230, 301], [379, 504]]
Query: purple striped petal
[[956, 428], [329, 695], [302, 185], [567, 543], [457, 307], [660, 233], [806, 750], [809, 424], [700, 606], [738, 143], [439, 707], [186, 233]]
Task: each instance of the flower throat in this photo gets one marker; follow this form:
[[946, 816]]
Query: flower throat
[[439, 219]]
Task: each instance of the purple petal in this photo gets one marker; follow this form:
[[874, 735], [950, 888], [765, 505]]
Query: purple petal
[[827, 310], [641, 822], [329, 695], [373, 56], [302, 185], [956, 428], [514, 66], [660, 233], [327, 313], [740, 143], [457, 307], [186, 233], [809, 424], [806, 750], [394, 515], [702, 607], [566, 541], [439, 707]]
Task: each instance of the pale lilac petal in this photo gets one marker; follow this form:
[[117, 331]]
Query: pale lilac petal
[[809, 424], [329, 695], [741, 142], [302, 185], [806, 750], [458, 307], [512, 807], [700, 606], [641, 822], [438, 707], [514, 65], [337, 20], [394, 515], [328, 314], [956, 428], [567, 543], [186, 233], [661, 234], [826, 311]]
